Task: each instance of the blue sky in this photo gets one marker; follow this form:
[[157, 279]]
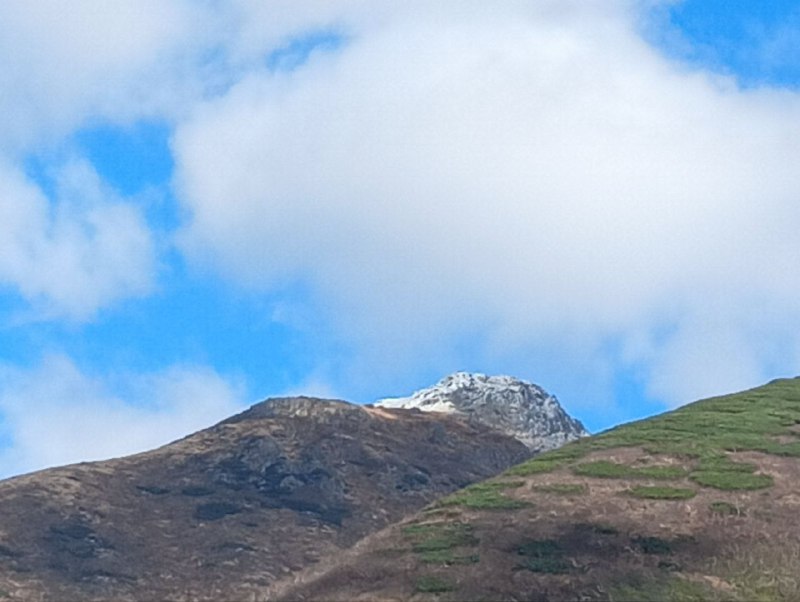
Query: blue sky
[[206, 204]]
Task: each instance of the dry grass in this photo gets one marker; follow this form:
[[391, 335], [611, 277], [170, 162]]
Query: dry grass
[[765, 571]]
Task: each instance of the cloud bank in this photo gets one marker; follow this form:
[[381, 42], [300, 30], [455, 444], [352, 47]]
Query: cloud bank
[[64, 64], [72, 246], [536, 172], [77, 252]]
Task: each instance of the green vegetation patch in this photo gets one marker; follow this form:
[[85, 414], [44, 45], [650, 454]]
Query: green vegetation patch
[[613, 470], [720, 472], [440, 536], [725, 509], [447, 557], [603, 469], [661, 472], [430, 584], [551, 460], [747, 421], [535, 466], [485, 496], [566, 453], [436, 543], [782, 449], [662, 493], [544, 556], [439, 512], [731, 481], [563, 488], [722, 463]]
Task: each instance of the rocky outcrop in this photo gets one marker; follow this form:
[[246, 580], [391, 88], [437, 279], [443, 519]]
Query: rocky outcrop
[[515, 407]]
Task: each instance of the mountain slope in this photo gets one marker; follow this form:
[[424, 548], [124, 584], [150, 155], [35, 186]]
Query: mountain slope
[[518, 408], [223, 513], [696, 504]]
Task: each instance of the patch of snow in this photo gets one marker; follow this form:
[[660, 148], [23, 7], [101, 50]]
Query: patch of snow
[[521, 409]]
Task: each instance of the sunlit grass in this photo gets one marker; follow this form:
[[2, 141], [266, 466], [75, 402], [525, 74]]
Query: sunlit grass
[[703, 433], [662, 493], [614, 470], [485, 496]]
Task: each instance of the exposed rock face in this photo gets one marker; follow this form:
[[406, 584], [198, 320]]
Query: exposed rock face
[[223, 513], [515, 407]]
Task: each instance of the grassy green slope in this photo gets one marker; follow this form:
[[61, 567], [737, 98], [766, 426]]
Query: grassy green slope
[[706, 432], [696, 504]]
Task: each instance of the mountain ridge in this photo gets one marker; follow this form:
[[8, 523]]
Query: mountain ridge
[[223, 513]]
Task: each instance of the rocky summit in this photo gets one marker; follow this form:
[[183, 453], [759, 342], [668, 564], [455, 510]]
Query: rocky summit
[[518, 408], [225, 513]]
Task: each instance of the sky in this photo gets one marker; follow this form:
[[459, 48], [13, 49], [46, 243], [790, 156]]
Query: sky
[[205, 203]]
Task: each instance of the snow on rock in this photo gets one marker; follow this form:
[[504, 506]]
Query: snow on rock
[[521, 409]]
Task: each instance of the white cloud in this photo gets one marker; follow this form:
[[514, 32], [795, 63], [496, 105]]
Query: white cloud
[[529, 173], [64, 66], [63, 63], [71, 255], [55, 414], [537, 172], [705, 356]]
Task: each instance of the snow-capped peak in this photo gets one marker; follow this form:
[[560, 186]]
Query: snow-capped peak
[[516, 407]]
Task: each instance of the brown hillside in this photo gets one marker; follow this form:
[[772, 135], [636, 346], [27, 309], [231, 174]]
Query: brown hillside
[[222, 514]]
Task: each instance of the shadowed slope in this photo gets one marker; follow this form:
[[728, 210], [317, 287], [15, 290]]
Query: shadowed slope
[[223, 513]]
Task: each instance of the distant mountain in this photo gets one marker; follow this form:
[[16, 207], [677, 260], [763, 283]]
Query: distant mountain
[[696, 505], [521, 409], [224, 513]]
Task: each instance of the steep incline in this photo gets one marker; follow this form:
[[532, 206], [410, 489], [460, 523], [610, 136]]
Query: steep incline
[[518, 408], [222, 514]]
